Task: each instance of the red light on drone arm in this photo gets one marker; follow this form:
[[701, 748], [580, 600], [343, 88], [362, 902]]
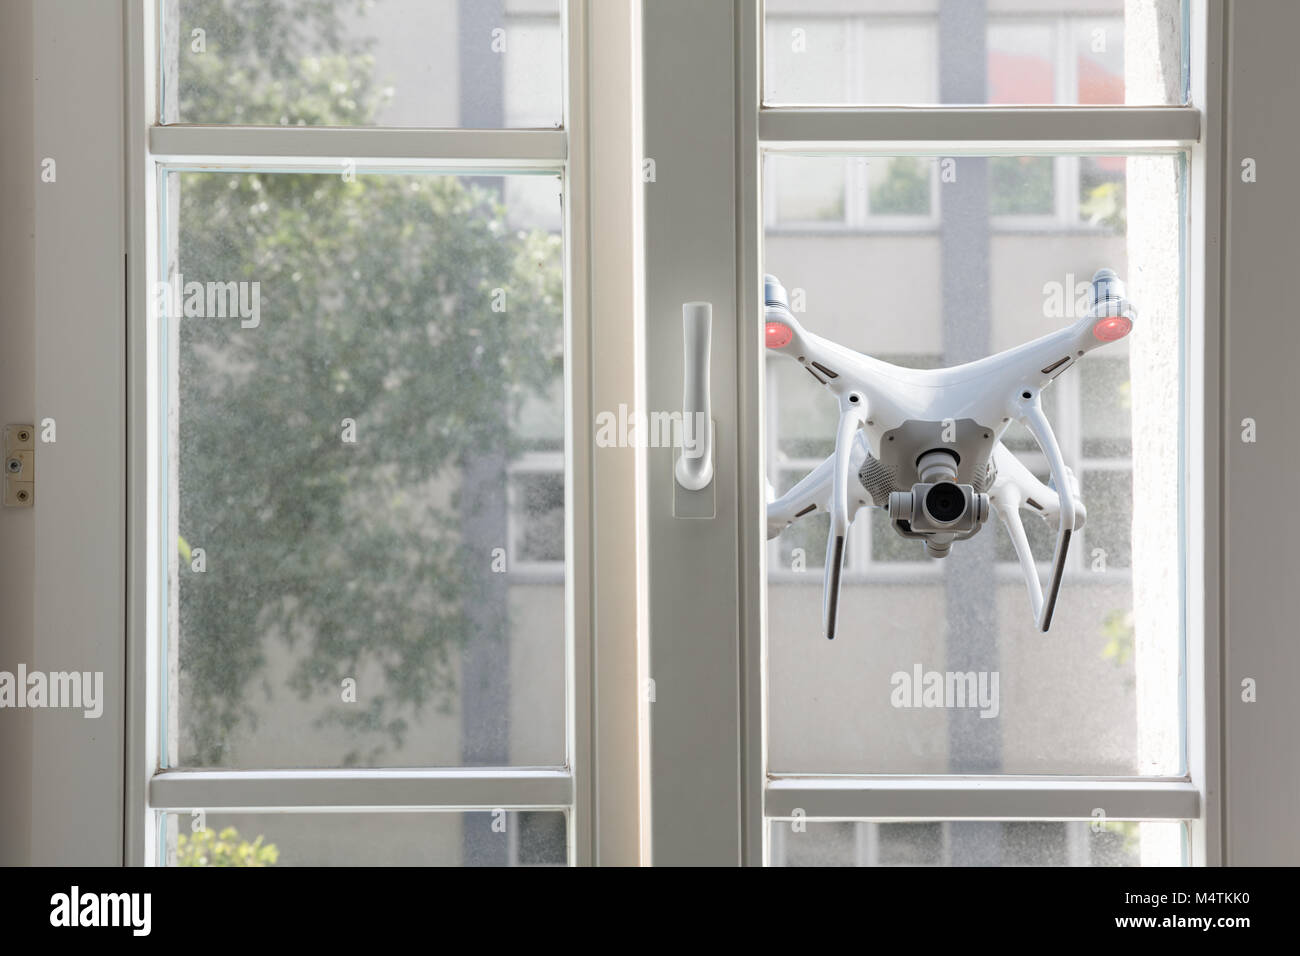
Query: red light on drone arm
[[1112, 328], [778, 335]]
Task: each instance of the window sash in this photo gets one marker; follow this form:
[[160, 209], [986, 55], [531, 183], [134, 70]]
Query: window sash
[[993, 130], [153, 148]]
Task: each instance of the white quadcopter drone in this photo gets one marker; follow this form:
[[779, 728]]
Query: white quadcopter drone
[[926, 444]]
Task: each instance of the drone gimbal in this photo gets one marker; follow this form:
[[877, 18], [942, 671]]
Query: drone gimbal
[[926, 444]]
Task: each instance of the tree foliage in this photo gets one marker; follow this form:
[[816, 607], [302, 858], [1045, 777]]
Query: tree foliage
[[227, 848], [376, 302]]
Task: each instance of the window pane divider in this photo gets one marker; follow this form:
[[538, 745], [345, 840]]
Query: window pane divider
[[361, 788], [1150, 126], [475, 146], [968, 797]]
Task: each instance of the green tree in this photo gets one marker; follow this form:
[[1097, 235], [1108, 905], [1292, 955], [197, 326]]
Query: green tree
[[1021, 185], [377, 296], [1104, 204], [227, 848], [905, 190]]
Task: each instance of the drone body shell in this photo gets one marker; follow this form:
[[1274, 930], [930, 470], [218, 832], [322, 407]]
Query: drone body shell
[[891, 417]]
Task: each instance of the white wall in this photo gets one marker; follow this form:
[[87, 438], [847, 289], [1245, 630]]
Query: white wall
[[63, 356]]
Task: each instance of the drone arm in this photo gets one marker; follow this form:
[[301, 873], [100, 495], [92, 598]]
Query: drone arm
[[1013, 476], [811, 493], [1038, 363], [1036, 421]]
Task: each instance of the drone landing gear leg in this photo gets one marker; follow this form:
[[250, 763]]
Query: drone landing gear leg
[[1008, 509], [853, 412], [1038, 425]]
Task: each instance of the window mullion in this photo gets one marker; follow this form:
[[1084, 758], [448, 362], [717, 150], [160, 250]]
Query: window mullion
[[469, 146], [1041, 126], [315, 789], [980, 798]]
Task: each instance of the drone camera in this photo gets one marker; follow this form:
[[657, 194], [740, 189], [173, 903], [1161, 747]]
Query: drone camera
[[943, 507], [938, 503], [945, 503]]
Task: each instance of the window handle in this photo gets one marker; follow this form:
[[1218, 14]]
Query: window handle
[[694, 469]]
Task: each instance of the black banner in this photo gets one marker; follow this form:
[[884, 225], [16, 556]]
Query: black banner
[[873, 905]]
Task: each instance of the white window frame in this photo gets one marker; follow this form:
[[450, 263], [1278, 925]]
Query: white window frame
[[1190, 797], [600, 74], [696, 647]]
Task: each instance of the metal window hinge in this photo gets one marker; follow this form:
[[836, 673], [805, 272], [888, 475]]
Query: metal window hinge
[[20, 468]]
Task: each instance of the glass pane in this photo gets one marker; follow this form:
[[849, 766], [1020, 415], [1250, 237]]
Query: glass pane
[[814, 58], [1020, 54], [869, 52], [1022, 186], [803, 546], [1110, 520], [336, 838], [900, 186], [806, 60], [537, 515], [887, 547], [1097, 694], [1040, 532], [399, 63], [978, 843], [1101, 191], [806, 426], [356, 481], [803, 199], [1105, 386]]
